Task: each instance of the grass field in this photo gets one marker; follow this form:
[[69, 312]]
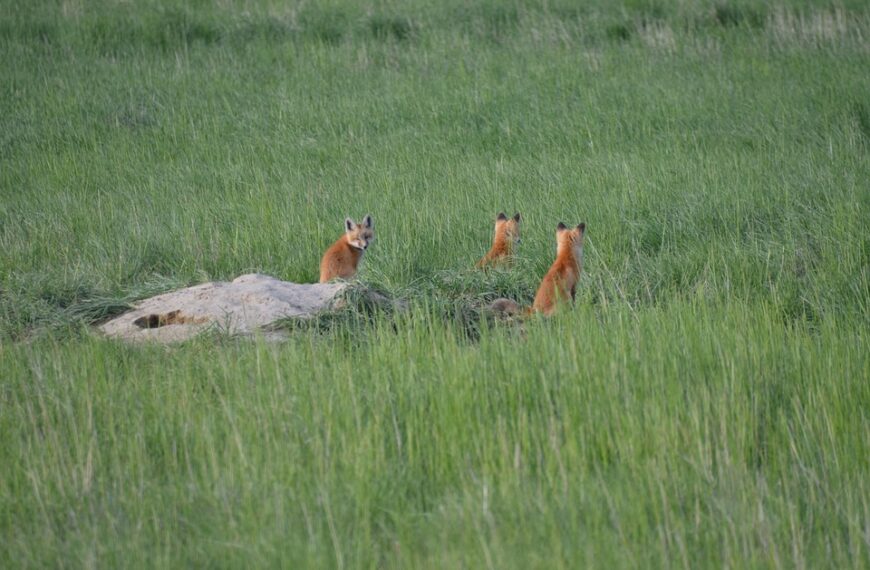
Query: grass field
[[705, 404]]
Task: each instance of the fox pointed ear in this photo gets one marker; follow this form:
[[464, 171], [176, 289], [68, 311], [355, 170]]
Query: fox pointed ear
[[367, 221], [561, 227], [501, 217], [517, 217], [348, 224], [582, 227]]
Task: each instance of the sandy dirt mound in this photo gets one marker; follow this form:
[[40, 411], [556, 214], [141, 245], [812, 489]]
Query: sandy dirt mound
[[242, 306]]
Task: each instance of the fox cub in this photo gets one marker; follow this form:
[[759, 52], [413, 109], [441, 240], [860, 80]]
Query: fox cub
[[560, 283], [561, 280], [343, 257], [507, 236]]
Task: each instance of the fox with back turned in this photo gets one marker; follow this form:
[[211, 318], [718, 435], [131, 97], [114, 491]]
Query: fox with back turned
[[507, 236], [559, 285]]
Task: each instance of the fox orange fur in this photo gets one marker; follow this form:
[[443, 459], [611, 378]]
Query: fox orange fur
[[560, 283], [342, 258], [507, 236]]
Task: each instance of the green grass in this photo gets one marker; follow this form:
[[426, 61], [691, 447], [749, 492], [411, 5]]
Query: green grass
[[704, 405]]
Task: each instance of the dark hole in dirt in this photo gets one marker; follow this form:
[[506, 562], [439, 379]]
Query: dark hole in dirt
[[155, 320]]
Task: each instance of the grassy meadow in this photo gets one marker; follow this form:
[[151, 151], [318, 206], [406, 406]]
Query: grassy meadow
[[705, 404]]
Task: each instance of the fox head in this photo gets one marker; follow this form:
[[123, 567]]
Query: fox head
[[359, 235], [570, 239], [508, 227]]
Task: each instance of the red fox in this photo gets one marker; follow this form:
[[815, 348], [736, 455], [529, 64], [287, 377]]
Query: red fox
[[560, 283], [561, 279], [507, 235], [343, 257]]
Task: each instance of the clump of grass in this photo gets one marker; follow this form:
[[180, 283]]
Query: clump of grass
[[735, 15], [357, 308], [861, 112], [29, 30], [37, 307], [325, 26], [391, 28], [618, 32], [456, 299], [492, 22]]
